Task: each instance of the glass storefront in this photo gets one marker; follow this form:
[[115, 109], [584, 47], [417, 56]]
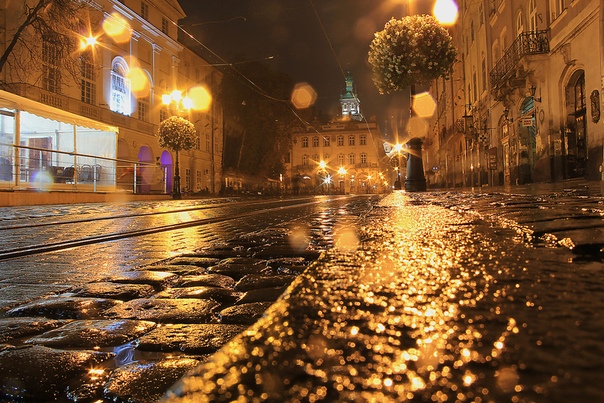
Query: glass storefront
[[54, 149]]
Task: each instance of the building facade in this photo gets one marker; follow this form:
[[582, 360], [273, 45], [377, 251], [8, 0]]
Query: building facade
[[347, 156], [524, 102], [97, 129]]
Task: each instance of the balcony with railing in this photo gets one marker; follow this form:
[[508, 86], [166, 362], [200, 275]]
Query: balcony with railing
[[527, 43]]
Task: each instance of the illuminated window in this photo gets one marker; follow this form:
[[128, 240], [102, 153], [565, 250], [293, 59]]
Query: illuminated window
[[88, 85], [51, 73], [120, 90]]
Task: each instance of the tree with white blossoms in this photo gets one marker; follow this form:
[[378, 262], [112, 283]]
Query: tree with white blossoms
[[177, 134], [413, 50]]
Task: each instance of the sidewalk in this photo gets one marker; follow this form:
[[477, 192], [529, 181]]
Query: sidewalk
[[430, 305]]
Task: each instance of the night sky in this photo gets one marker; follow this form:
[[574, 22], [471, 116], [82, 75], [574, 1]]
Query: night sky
[[314, 41]]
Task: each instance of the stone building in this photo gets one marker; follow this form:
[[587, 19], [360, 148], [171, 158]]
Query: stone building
[[524, 102], [96, 130], [344, 156]]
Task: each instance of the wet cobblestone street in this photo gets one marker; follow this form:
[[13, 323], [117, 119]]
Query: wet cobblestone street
[[435, 296], [437, 304]]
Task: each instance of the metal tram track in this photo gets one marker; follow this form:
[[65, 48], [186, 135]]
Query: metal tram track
[[63, 245]]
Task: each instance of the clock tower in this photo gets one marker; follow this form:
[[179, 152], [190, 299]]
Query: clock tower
[[349, 101]]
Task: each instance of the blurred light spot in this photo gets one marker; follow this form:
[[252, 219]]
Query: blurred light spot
[[423, 105], [117, 28], [346, 239], [303, 96], [469, 378], [417, 127], [507, 379], [139, 82], [43, 180], [299, 238], [445, 11], [201, 97]]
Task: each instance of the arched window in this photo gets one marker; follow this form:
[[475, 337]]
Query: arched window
[[120, 88], [519, 23], [532, 15]]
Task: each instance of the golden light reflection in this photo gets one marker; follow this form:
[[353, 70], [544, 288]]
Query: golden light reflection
[[417, 127], [201, 98], [303, 96], [117, 28], [445, 11], [140, 84], [423, 105]]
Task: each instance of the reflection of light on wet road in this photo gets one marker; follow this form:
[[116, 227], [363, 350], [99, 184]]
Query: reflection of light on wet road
[[396, 318]]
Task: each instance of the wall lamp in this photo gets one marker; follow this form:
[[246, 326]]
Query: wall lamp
[[533, 89]]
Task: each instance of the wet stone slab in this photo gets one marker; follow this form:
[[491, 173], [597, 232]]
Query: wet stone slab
[[93, 333], [157, 279], [179, 269], [190, 338], [15, 328], [123, 292], [236, 270], [208, 280], [185, 310], [146, 381], [256, 281], [244, 314], [65, 307], [199, 261], [223, 296], [37, 373], [262, 295]]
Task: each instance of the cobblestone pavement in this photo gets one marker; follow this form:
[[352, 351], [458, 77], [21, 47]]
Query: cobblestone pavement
[[132, 332], [436, 296], [449, 296]]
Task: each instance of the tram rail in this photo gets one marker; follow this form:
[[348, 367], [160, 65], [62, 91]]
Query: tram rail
[[225, 212]]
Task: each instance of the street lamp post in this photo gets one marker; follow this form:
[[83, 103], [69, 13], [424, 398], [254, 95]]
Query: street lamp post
[[181, 105], [342, 172]]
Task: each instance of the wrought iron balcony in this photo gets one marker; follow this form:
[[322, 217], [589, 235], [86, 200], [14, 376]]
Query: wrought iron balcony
[[527, 43]]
